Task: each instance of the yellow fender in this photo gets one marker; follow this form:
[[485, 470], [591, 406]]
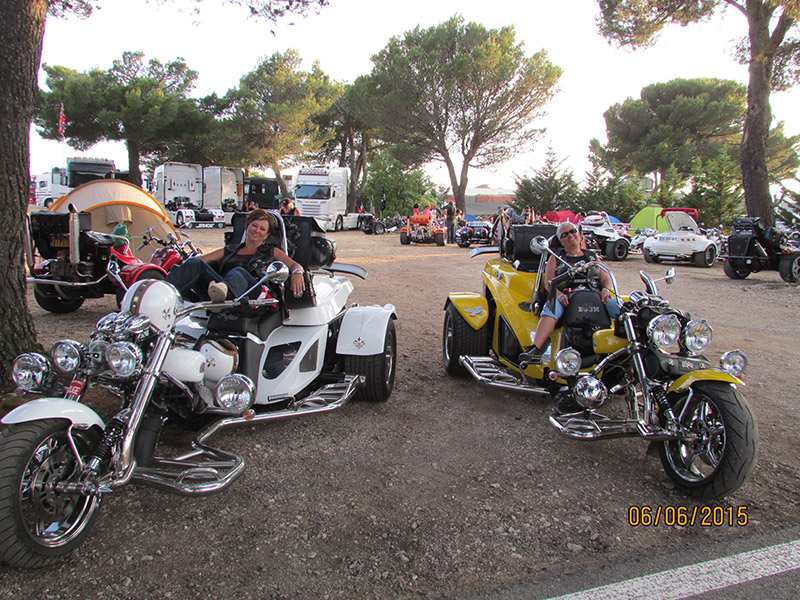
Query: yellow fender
[[473, 307], [703, 375]]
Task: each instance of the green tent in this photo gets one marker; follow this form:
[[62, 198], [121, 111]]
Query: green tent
[[649, 216]]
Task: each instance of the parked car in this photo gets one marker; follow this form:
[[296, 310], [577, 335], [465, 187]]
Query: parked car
[[753, 247], [684, 241]]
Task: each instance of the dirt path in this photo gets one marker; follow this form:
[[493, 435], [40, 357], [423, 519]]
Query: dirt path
[[446, 489]]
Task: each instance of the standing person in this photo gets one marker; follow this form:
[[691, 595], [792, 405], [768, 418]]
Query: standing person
[[288, 207], [526, 215], [450, 222], [230, 271]]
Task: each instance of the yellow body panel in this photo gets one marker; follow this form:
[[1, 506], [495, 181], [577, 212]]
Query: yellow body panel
[[703, 375], [605, 342], [473, 307]]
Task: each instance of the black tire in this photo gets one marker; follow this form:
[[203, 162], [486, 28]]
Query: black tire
[[439, 237], [649, 257], [146, 274], [378, 228], [379, 369], [339, 223], [48, 203], [404, 238], [54, 303], [735, 270], [706, 258], [724, 455], [789, 267], [179, 220], [463, 244], [617, 250], [38, 526], [460, 339]]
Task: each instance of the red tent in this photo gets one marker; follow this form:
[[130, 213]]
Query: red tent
[[557, 216]]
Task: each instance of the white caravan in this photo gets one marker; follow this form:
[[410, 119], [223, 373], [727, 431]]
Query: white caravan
[[59, 182], [223, 188], [179, 189], [322, 192]]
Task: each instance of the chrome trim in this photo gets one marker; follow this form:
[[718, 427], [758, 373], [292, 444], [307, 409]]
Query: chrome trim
[[488, 371]]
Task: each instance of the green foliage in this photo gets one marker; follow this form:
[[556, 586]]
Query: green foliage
[[272, 111], [620, 196], [402, 186], [144, 105], [674, 126], [638, 22], [716, 192], [460, 90], [550, 188]]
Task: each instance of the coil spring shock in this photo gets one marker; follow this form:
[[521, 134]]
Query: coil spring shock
[[657, 392], [111, 436]]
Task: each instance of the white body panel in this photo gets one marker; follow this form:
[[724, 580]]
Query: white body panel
[[54, 408], [682, 240], [223, 189], [332, 294], [185, 365], [363, 329], [176, 185]]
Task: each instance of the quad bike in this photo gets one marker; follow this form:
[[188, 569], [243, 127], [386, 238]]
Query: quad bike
[[201, 366], [421, 230], [79, 263], [648, 361], [753, 247]]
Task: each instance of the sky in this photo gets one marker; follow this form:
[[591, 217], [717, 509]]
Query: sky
[[222, 43]]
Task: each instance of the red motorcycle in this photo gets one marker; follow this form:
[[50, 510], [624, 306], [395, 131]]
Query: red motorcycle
[[79, 263]]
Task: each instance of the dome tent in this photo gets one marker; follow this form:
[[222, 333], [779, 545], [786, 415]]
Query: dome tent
[[113, 201]]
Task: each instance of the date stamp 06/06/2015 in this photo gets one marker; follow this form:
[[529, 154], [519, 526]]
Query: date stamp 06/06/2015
[[687, 516]]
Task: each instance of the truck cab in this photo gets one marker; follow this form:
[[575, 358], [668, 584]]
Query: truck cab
[[321, 192]]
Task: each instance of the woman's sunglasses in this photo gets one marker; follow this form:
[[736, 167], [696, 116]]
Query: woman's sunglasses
[[566, 233]]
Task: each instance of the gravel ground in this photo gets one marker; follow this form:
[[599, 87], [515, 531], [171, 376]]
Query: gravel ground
[[446, 490]]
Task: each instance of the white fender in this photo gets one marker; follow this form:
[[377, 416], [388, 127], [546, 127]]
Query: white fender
[[54, 408], [363, 329]]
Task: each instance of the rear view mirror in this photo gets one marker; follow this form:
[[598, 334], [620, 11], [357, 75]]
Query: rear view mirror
[[539, 245]]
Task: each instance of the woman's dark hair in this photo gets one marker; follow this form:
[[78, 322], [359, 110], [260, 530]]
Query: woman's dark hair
[[258, 214]]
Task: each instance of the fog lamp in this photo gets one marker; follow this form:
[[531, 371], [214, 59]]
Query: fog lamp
[[568, 362], [67, 355], [124, 358], [589, 392], [31, 371], [697, 336], [235, 393], [734, 363]]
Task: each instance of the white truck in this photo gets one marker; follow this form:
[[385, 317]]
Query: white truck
[[321, 192], [57, 182], [179, 189], [223, 188]]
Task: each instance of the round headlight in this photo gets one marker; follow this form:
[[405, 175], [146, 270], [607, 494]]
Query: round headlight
[[124, 358], [67, 355], [734, 363], [568, 361], [589, 392], [31, 371], [664, 331], [235, 393], [697, 336]]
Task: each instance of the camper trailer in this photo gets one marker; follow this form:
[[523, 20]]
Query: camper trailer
[[58, 182], [223, 189], [179, 189], [322, 192]]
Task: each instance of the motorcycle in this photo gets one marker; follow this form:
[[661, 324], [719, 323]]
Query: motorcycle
[[650, 358], [753, 247], [204, 366], [79, 263]]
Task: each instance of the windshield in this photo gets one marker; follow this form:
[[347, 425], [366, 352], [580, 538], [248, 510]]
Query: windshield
[[318, 192]]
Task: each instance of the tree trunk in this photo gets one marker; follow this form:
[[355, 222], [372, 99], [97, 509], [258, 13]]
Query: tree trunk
[[21, 41], [755, 177], [134, 172], [281, 181]]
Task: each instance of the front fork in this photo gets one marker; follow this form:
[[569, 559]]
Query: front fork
[[117, 442], [653, 394]]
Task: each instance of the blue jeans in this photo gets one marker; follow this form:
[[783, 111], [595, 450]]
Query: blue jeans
[[611, 306], [193, 276]]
